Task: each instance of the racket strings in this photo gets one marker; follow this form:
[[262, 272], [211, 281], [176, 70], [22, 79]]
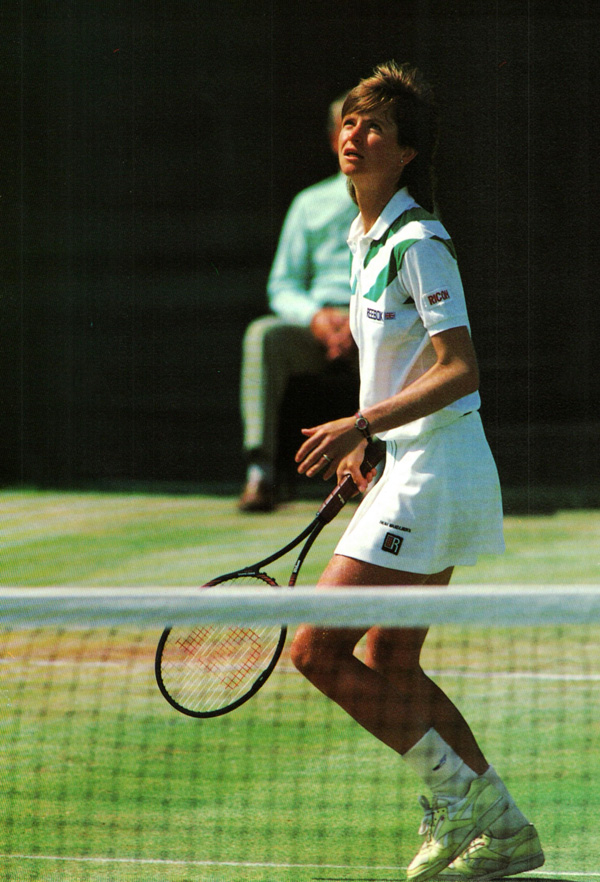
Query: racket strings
[[207, 668], [213, 666], [229, 654]]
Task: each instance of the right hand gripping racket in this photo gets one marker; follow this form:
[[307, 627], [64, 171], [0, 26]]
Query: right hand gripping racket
[[213, 669]]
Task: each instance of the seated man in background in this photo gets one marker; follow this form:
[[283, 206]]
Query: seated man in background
[[308, 291]]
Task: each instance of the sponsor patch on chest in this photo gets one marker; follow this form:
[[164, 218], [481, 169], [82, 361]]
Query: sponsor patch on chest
[[378, 316]]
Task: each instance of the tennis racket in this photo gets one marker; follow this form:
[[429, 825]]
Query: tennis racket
[[213, 669]]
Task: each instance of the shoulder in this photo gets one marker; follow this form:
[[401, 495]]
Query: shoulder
[[422, 235], [430, 264], [414, 232], [418, 223], [332, 184], [329, 192], [324, 209], [434, 248]]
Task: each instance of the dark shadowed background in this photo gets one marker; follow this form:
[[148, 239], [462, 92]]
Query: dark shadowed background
[[150, 150]]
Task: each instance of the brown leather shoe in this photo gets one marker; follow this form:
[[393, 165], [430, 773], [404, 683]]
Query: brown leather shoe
[[257, 496]]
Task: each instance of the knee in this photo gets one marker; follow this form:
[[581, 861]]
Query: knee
[[303, 652], [316, 657], [263, 332], [256, 336]]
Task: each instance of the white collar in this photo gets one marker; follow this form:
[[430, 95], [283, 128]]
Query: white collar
[[398, 204]]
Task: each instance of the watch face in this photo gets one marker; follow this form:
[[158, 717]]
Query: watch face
[[361, 423]]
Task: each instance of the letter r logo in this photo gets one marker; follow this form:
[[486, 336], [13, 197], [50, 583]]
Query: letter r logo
[[392, 543]]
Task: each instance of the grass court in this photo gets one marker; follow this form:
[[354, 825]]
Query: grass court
[[102, 780]]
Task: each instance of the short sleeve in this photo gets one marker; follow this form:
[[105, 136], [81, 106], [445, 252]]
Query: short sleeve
[[430, 274]]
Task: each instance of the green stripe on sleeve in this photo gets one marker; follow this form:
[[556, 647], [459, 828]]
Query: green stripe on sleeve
[[414, 214], [407, 217], [390, 271], [448, 243]]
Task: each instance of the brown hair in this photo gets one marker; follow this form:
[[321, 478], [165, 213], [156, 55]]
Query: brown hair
[[402, 89]]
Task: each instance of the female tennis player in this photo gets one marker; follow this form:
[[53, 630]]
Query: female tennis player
[[437, 504]]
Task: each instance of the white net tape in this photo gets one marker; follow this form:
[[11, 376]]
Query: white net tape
[[409, 607]]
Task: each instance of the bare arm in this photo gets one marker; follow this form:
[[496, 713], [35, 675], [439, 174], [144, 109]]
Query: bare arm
[[453, 375]]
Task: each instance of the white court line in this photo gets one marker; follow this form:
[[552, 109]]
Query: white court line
[[249, 865], [142, 665], [516, 675]]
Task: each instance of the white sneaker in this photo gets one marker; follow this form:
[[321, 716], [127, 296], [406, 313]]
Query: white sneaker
[[491, 858], [449, 825]]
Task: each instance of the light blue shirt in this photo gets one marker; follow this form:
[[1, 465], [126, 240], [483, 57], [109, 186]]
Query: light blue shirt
[[311, 268]]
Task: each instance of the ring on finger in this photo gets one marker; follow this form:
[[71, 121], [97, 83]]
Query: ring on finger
[[327, 458]]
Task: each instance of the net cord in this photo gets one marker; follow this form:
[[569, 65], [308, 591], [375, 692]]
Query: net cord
[[476, 605]]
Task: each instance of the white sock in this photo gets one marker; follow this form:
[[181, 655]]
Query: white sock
[[439, 766], [512, 820]]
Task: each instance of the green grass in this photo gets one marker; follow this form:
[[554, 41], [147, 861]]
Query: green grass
[[110, 539], [102, 780]]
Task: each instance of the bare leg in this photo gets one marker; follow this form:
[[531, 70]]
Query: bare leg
[[389, 694]]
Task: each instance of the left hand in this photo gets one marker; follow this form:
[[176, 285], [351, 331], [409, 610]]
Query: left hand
[[350, 465], [327, 445]]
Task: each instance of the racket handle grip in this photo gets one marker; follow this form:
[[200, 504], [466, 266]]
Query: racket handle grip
[[346, 489]]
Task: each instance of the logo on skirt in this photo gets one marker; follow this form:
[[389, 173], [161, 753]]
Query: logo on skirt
[[392, 543]]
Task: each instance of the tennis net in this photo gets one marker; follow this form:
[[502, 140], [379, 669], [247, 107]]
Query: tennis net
[[102, 779]]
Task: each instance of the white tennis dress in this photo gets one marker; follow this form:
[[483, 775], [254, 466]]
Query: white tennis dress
[[438, 502]]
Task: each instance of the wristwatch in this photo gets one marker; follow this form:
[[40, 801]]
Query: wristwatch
[[362, 424]]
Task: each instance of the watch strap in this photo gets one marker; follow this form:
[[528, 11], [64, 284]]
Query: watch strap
[[362, 424]]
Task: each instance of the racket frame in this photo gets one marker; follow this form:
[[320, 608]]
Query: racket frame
[[334, 502], [256, 685]]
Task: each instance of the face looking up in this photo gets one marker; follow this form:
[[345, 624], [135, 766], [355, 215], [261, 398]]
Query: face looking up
[[369, 152]]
